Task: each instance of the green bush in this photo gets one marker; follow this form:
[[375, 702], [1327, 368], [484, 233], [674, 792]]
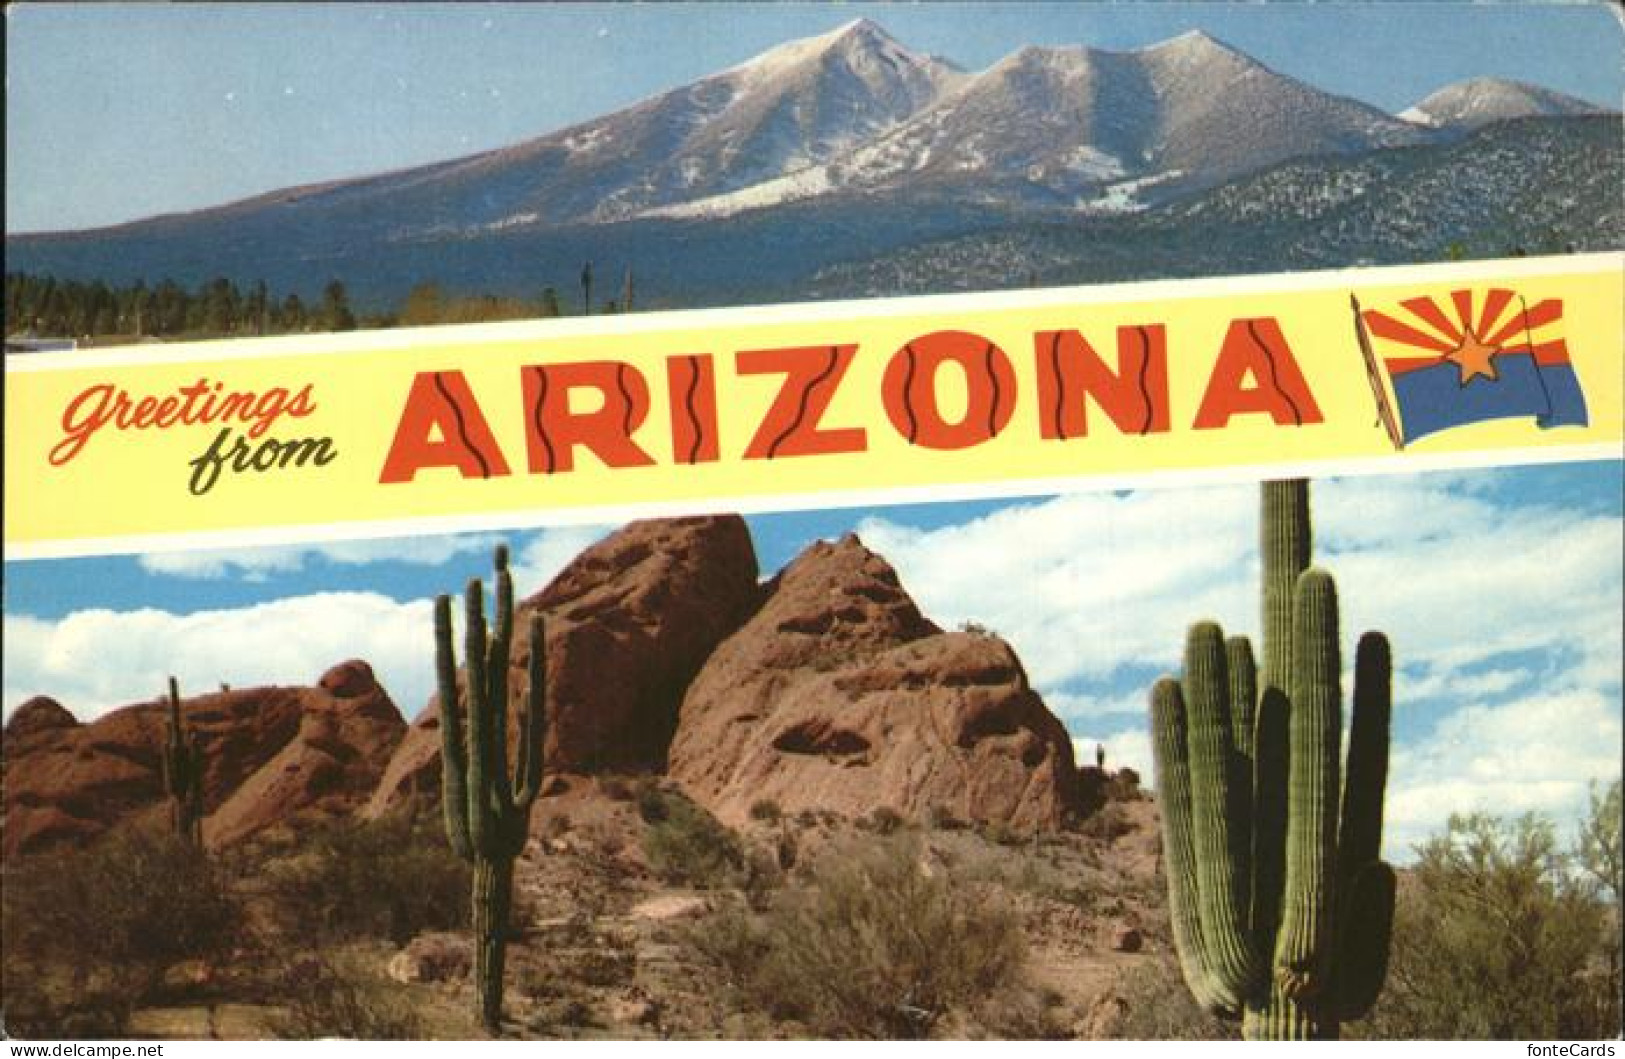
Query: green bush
[[1498, 936], [392, 879], [872, 947], [684, 844], [324, 998], [766, 810], [89, 933], [1157, 1006]]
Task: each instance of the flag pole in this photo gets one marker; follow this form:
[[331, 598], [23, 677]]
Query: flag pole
[[1540, 377], [1385, 411]]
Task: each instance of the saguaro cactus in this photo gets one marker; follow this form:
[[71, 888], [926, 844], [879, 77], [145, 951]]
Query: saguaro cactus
[[1281, 908], [487, 816], [183, 773]]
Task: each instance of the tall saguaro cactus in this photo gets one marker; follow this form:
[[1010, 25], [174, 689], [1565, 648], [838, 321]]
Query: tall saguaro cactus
[[487, 815], [1281, 909], [183, 773]]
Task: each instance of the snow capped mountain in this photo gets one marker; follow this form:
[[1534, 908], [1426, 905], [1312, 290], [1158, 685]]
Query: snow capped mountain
[[796, 105], [1470, 104], [1095, 129], [821, 149]]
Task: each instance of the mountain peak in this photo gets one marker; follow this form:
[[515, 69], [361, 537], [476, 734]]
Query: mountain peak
[[860, 35], [860, 27], [1193, 41], [1480, 100]]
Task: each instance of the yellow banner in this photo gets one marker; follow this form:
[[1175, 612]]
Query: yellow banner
[[113, 449]]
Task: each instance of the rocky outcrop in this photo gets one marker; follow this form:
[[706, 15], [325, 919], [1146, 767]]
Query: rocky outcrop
[[629, 622], [69, 784], [38, 715], [271, 755], [348, 732], [840, 695]]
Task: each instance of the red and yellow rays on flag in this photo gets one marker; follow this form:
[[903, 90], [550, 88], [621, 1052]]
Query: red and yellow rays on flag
[[1471, 330], [1473, 356]]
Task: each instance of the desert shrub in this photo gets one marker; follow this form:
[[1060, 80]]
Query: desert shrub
[[392, 878], [132, 897], [89, 933], [1154, 1004], [873, 947], [37, 1007], [651, 800], [1019, 1013], [323, 998], [1108, 823], [1497, 935], [761, 876], [685, 844], [884, 820], [616, 788], [766, 810]]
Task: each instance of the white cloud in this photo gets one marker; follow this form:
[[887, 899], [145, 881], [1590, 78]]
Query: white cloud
[[1083, 584], [1084, 708], [258, 564], [1131, 749], [1506, 619], [539, 560], [94, 660], [98, 659], [1536, 754], [538, 556]]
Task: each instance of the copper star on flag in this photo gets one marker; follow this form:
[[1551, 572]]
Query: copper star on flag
[[1474, 358]]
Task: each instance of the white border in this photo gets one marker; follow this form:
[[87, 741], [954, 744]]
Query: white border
[[435, 525]]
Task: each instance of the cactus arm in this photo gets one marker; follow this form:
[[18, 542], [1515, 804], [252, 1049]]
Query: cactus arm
[[1285, 543], [1269, 816], [496, 681], [1367, 924], [453, 749], [1303, 946], [1366, 905], [1218, 805], [1359, 838], [1171, 758], [1243, 671], [531, 751], [479, 720]]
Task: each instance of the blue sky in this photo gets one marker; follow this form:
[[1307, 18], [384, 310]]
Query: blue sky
[[1501, 590], [119, 111]]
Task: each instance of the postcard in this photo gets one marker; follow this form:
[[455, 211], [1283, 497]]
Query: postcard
[[813, 522]]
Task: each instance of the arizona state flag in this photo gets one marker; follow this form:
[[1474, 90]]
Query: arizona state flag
[[1484, 355]]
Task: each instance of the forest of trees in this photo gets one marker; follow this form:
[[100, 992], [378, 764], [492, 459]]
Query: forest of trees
[[46, 306]]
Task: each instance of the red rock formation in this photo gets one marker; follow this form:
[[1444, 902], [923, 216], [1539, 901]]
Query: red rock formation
[[71, 784], [348, 731], [266, 753], [839, 695], [629, 622], [38, 714]]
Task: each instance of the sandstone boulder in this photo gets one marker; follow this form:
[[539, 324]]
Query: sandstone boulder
[[840, 695], [348, 732], [629, 622]]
